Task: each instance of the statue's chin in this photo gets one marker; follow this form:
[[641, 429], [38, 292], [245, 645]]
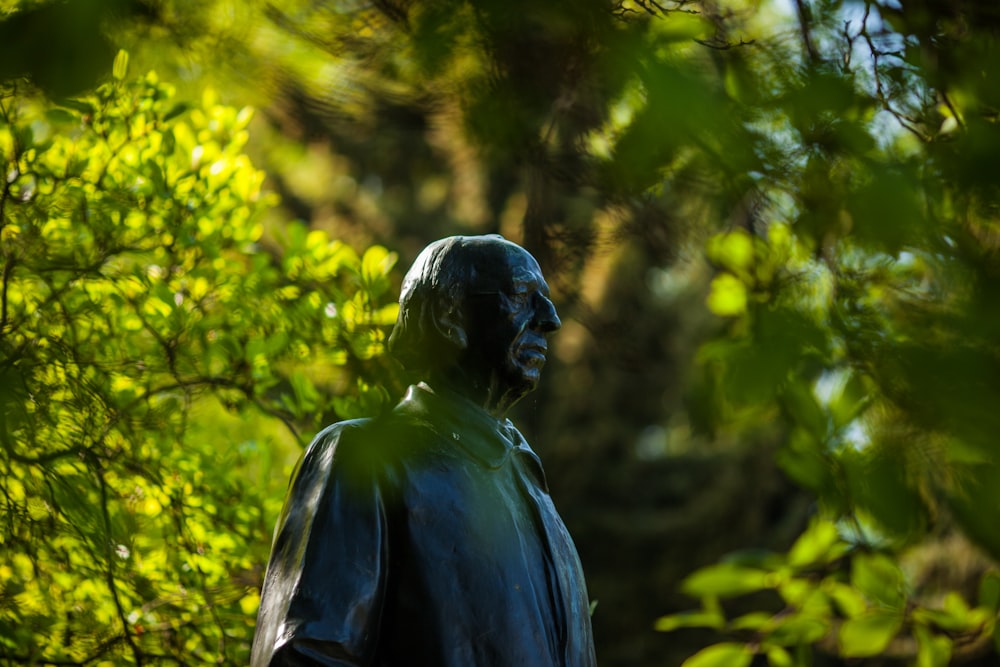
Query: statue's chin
[[523, 379]]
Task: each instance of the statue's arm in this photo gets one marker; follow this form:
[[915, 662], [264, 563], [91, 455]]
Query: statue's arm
[[322, 597]]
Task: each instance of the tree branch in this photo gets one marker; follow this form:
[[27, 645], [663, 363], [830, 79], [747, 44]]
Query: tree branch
[[720, 45], [8, 271], [110, 573], [804, 15]]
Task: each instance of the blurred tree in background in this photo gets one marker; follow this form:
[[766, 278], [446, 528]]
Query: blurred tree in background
[[154, 343], [769, 226]]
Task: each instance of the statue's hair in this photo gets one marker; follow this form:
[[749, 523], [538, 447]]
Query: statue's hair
[[436, 283]]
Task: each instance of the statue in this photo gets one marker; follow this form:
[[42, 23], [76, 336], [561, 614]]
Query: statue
[[427, 536]]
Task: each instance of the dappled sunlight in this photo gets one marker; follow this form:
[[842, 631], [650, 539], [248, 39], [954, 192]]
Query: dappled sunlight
[[770, 230]]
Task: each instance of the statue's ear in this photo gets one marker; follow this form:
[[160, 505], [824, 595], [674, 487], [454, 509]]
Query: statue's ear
[[450, 325]]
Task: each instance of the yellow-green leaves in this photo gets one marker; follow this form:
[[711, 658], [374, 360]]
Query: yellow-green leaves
[[879, 578], [817, 545], [721, 655], [119, 69], [728, 296], [932, 650], [152, 359], [750, 267], [725, 580], [711, 617], [870, 633], [858, 615], [732, 250]]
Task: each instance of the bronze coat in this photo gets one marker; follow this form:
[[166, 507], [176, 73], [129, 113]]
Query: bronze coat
[[426, 537]]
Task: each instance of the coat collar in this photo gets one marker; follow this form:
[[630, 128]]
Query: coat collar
[[460, 421]]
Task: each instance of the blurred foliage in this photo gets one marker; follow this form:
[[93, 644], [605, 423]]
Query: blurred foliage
[[151, 334], [766, 223], [839, 596]]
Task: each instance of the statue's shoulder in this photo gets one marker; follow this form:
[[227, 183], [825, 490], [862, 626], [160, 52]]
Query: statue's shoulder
[[337, 435], [373, 441], [340, 442]]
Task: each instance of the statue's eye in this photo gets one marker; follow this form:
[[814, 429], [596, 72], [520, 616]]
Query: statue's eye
[[520, 297]]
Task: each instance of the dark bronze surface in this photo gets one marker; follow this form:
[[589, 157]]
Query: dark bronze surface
[[427, 536]]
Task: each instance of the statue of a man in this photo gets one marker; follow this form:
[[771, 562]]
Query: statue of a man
[[427, 536]]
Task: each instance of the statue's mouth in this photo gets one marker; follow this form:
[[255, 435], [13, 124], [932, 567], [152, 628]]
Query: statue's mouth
[[534, 353]]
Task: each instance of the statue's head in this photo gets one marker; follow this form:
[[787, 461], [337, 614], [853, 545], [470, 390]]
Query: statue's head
[[478, 308]]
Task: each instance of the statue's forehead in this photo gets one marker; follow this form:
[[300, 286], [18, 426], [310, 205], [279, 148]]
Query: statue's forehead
[[505, 264]]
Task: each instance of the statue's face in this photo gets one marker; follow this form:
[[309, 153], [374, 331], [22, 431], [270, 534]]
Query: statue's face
[[508, 317]]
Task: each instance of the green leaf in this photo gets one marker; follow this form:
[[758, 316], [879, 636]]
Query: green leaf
[[755, 620], [727, 296], [800, 402], [804, 459], [953, 616], [690, 619], [725, 580], [932, 650], [376, 264], [851, 401], [306, 396], [727, 654], [58, 116], [849, 601], [989, 591], [815, 544], [878, 578], [800, 629], [976, 501], [886, 211], [120, 68], [733, 251], [880, 485], [777, 656], [175, 111], [756, 369], [796, 590], [869, 634], [84, 107]]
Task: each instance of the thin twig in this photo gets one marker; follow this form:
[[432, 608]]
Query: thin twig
[[110, 574], [806, 30], [8, 271], [720, 45], [947, 102], [909, 124]]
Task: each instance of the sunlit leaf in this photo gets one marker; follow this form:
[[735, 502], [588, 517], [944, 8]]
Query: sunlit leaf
[[878, 578], [119, 68], [728, 296], [849, 600], [778, 656], [932, 650], [733, 251], [721, 655], [753, 621], [799, 629], [814, 544], [954, 615], [691, 619], [725, 580], [868, 634]]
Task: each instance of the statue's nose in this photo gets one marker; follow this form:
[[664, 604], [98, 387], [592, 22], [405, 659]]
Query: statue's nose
[[546, 319]]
